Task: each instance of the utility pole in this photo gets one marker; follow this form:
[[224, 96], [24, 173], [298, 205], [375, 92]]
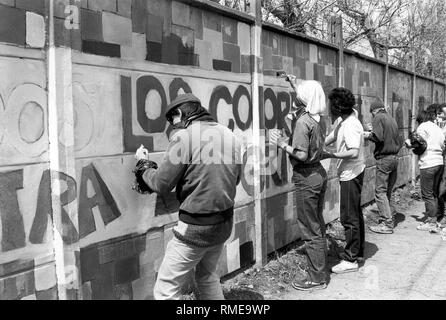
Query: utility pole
[[337, 38], [61, 159], [385, 52], [431, 74], [414, 101], [414, 95], [261, 221]]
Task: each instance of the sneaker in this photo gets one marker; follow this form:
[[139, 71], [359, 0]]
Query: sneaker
[[301, 249], [442, 223], [307, 285], [381, 228], [345, 267], [428, 226]]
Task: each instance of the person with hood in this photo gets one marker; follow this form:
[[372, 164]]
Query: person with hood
[[305, 150], [349, 140], [206, 174]]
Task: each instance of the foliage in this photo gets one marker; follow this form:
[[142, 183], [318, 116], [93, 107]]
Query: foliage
[[406, 27]]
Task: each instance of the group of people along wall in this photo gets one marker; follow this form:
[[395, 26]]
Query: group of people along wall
[[130, 58]]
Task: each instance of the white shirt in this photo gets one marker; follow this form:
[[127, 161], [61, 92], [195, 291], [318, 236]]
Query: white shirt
[[435, 139], [350, 136]]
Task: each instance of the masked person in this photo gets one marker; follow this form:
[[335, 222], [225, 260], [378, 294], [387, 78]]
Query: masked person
[[388, 143], [310, 178], [349, 139], [205, 188]]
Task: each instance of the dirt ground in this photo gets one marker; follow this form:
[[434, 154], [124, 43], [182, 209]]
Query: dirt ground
[[408, 264]]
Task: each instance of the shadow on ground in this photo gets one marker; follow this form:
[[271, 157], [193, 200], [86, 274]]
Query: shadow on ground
[[399, 218], [420, 218], [242, 294], [337, 247]]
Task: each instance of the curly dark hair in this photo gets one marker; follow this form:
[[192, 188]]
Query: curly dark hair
[[425, 116], [342, 100], [435, 108]]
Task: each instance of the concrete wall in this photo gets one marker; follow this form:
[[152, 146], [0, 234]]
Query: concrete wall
[[71, 227]]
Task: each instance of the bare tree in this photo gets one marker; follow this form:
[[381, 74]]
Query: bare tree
[[370, 20], [404, 27], [297, 15], [363, 19], [423, 36]]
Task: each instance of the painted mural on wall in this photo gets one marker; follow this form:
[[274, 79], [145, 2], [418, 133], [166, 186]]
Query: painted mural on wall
[[424, 92], [438, 93], [399, 102], [164, 48], [26, 249], [162, 31]]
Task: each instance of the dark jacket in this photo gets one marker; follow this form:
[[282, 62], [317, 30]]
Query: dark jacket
[[206, 175], [385, 135]]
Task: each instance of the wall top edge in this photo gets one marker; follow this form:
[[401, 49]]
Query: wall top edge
[[272, 27], [228, 12]]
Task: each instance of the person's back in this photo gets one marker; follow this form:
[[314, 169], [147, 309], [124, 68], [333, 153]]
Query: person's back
[[435, 138], [431, 169], [350, 168], [316, 138], [203, 162], [388, 143], [209, 181], [388, 140]]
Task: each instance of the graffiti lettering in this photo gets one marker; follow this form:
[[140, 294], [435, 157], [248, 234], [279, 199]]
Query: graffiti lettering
[[278, 115], [102, 199], [13, 230], [144, 85], [38, 229], [156, 123], [222, 93], [153, 122]]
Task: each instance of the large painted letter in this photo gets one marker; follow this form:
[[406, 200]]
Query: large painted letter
[[69, 233], [13, 230], [102, 199], [239, 93], [221, 92], [131, 141], [143, 87]]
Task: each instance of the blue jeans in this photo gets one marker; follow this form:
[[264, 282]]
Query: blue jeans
[[430, 179], [179, 260], [442, 195], [386, 175], [311, 184]]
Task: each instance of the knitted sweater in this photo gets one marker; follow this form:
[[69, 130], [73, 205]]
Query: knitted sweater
[[203, 236], [206, 191]]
